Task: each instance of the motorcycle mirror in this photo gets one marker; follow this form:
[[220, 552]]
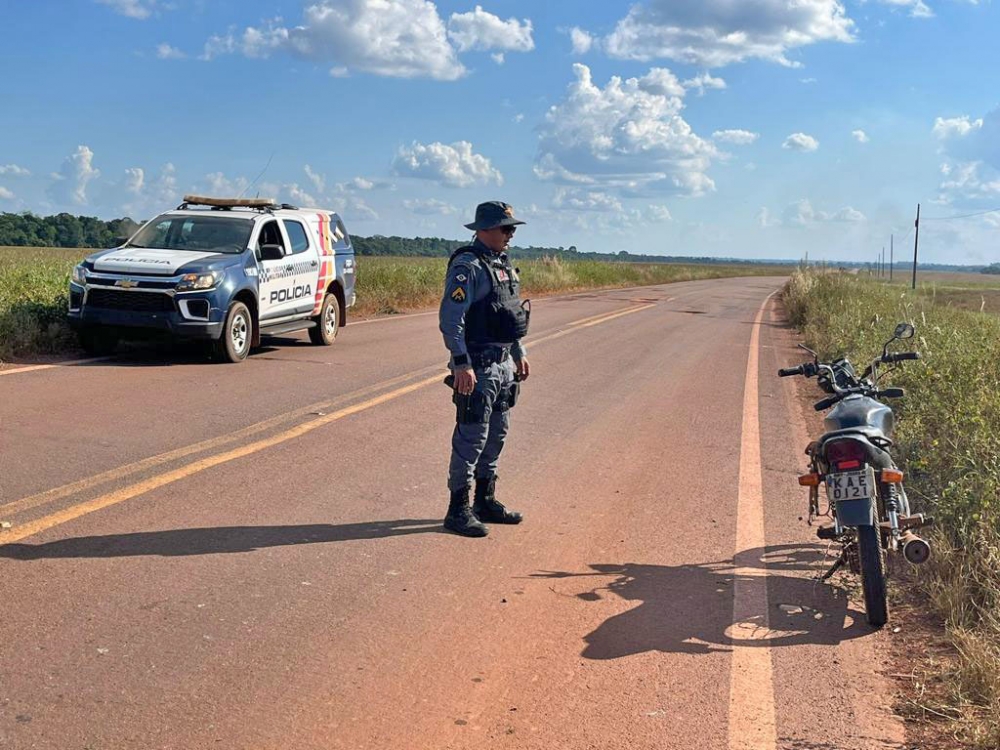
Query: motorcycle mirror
[[903, 331]]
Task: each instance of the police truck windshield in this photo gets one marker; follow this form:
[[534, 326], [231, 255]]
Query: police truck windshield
[[220, 234]]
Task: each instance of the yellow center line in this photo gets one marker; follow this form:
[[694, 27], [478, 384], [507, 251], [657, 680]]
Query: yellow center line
[[751, 688], [140, 488], [122, 472]]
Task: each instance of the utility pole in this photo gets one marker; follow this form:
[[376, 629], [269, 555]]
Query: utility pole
[[891, 240], [883, 261], [916, 240]]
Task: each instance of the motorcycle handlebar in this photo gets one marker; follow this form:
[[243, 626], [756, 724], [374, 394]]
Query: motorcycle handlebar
[[784, 372], [901, 356]]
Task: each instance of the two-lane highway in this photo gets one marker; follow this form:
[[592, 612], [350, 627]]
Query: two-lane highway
[[252, 556]]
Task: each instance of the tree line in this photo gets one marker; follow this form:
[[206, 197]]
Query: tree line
[[66, 230]]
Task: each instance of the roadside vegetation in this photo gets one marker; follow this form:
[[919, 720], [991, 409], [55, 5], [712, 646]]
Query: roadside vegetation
[[948, 442], [34, 285]]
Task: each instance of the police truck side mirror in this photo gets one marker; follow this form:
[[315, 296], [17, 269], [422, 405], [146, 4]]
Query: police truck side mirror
[[271, 252]]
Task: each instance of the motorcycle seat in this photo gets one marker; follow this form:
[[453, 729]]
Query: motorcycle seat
[[873, 434]]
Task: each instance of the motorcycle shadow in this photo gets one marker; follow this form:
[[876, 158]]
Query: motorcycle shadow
[[689, 608]]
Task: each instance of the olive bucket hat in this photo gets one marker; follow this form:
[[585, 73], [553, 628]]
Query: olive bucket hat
[[493, 214]]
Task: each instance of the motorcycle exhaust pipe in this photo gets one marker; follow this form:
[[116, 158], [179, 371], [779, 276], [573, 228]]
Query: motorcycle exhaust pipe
[[916, 550]]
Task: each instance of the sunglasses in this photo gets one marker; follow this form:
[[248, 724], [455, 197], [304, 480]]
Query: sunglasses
[[509, 231]]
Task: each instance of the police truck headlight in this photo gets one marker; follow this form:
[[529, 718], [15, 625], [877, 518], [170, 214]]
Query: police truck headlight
[[79, 275], [196, 281]]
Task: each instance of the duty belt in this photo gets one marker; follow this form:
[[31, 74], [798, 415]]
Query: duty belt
[[489, 356]]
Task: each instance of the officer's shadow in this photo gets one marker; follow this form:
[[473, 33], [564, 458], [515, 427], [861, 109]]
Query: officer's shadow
[[689, 608], [219, 540]]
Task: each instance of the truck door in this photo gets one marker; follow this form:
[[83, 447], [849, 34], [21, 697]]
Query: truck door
[[304, 256], [274, 273]]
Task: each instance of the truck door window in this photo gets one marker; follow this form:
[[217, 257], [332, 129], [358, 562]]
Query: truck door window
[[270, 234], [297, 236], [343, 231]]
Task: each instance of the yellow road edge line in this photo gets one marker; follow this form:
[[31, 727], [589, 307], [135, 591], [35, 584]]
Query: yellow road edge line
[[113, 498], [752, 723], [53, 365]]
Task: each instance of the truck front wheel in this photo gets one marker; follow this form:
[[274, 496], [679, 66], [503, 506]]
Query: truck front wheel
[[234, 344]]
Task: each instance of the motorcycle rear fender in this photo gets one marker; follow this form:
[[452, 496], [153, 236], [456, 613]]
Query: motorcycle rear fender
[[856, 512]]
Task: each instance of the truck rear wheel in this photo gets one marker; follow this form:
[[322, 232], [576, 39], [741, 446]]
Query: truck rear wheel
[[237, 331], [327, 322]]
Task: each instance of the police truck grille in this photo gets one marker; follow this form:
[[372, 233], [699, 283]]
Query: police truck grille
[[111, 299]]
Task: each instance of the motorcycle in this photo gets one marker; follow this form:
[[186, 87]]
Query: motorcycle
[[866, 499]]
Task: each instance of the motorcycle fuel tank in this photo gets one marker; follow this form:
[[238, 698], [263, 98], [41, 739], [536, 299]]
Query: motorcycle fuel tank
[[860, 411]]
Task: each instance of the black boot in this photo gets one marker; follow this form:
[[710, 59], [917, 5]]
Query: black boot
[[460, 518], [488, 508]]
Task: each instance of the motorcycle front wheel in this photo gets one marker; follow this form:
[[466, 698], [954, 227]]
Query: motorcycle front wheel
[[872, 558]]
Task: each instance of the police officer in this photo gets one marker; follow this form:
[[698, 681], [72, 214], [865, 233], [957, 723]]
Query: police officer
[[483, 321]]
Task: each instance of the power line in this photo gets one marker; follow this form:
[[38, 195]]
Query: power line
[[962, 216]]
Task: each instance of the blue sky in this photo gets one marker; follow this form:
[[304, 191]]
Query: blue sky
[[738, 128]]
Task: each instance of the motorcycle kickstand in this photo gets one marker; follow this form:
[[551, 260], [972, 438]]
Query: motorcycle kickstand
[[833, 569]]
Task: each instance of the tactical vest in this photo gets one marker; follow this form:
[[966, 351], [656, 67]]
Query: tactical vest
[[500, 317]]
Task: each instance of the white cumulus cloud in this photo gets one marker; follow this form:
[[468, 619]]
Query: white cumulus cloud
[[135, 177], [801, 213], [714, 33], [479, 30], [132, 8], [14, 170], [860, 136], [395, 38], [969, 181], [658, 213], [918, 8], [430, 206], [166, 52], [736, 137], [800, 142], [6, 194], [955, 126], [582, 41], [575, 199], [318, 180], [455, 165], [70, 182], [628, 135], [704, 81]]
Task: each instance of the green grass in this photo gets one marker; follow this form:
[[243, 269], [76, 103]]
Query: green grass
[[948, 442], [34, 286]]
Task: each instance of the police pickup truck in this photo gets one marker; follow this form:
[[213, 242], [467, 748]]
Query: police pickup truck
[[225, 270]]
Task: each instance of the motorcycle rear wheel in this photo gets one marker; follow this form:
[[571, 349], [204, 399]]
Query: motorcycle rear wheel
[[873, 575]]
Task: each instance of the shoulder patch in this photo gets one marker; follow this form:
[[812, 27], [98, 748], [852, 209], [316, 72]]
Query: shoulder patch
[[461, 277], [458, 294]]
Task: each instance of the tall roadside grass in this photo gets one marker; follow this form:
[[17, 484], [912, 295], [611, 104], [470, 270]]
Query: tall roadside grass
[[34, 286], [391, 285], [948, 441]]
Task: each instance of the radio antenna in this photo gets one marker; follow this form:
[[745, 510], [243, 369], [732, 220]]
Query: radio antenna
[[258, 176]]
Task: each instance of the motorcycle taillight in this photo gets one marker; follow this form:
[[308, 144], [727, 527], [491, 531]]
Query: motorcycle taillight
[[846, 454]]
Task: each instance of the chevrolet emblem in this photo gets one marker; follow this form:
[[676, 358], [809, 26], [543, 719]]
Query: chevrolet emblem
[[126, 283]]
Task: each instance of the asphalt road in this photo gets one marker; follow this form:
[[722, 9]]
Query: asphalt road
[[251, 556]]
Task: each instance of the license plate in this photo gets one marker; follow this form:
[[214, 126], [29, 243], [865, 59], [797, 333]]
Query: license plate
[[850, 485]]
